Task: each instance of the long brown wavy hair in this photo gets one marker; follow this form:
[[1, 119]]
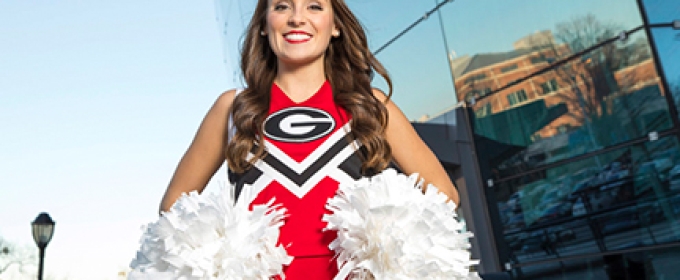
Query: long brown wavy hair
[[349, 65]]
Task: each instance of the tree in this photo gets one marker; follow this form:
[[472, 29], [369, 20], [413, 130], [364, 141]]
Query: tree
[[591, 83], [16, 257]]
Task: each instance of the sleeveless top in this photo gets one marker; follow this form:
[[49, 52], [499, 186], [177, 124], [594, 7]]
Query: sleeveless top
[[308, 154]]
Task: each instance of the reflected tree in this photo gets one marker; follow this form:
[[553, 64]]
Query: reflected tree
[[602, 87]]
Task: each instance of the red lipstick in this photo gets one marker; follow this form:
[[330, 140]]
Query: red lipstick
[[297, 37]]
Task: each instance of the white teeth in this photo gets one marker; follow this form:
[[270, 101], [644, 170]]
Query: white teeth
[[297, 36]]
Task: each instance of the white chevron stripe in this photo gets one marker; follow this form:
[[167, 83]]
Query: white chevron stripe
[[261, 183], [300, 167], [329, 169], [340, 176], [256, 187], [279, 177]]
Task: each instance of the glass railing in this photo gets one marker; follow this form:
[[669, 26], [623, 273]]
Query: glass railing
[[629, 197]]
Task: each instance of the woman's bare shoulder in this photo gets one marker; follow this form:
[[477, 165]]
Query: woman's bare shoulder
[[392, 109], [225, 99], [379, 94]]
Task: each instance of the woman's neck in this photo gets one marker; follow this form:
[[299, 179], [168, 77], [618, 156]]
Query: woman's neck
[[300, 82]]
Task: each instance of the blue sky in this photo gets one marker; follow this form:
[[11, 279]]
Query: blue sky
[[100, 99]]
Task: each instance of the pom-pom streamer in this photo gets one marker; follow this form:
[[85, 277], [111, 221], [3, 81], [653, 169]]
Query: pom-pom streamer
[[210, 236], [388, 228]]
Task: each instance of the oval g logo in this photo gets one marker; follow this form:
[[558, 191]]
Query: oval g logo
[[298, 124]]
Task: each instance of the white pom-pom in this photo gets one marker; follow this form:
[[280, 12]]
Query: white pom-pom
[[209, 236], [389, 229]]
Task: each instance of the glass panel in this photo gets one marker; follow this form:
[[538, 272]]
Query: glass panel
[[586, 268], [668, 47], [383, 19], [233, 16], [418, 66], [654, 264], [541, 101], [622, 199], [660, 11]]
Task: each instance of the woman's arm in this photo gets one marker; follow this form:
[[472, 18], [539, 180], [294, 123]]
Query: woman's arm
[[411, 153], [205, 154]]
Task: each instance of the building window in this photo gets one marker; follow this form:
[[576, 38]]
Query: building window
[[517, 97], [470, 96], [485, 91], [564, 128], [483, 111], [542, 59], [549, 86], [476, 93], [475, 78], [508, 68], [514, 82], [537, 60]]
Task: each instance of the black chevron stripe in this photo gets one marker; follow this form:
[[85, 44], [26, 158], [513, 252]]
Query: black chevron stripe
[[352, 166], [241, 179], [300, 179]]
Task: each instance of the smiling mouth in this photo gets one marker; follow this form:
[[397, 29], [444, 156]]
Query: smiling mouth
[[296, 38]]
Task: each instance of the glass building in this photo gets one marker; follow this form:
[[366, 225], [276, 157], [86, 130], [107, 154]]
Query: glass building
[[558, 121]]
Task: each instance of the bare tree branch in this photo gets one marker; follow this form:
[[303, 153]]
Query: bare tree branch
[[13, 255]]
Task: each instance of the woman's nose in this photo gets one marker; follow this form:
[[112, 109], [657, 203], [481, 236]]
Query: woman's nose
[[297, 17]]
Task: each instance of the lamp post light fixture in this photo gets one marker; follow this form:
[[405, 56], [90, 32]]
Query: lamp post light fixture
[[43, 229]]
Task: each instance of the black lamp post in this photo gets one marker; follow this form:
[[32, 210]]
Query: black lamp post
[[43, 229]]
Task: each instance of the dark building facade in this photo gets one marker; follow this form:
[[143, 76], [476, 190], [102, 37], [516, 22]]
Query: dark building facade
[[558, 121]]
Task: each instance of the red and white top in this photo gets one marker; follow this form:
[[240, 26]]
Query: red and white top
[[308, 155]]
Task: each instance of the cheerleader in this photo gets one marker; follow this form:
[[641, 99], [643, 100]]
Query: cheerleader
[[307, 121]]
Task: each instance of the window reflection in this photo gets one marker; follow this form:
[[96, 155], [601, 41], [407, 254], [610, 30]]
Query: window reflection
[[601, 98], [667, 43], [422, 80], [662, 10], [626, 198], [652, 264]]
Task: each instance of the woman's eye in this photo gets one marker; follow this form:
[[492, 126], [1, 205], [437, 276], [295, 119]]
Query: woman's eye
[[280, 7], [316, 7]]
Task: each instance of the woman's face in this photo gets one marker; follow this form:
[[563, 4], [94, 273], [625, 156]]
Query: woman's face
[[299, 31]]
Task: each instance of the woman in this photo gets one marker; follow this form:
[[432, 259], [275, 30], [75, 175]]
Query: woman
[[308, 120]]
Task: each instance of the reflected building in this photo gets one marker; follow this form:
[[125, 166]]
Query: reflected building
[[563, 142], [482, 74]]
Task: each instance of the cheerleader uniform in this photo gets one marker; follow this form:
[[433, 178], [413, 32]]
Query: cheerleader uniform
[[308, 154]]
